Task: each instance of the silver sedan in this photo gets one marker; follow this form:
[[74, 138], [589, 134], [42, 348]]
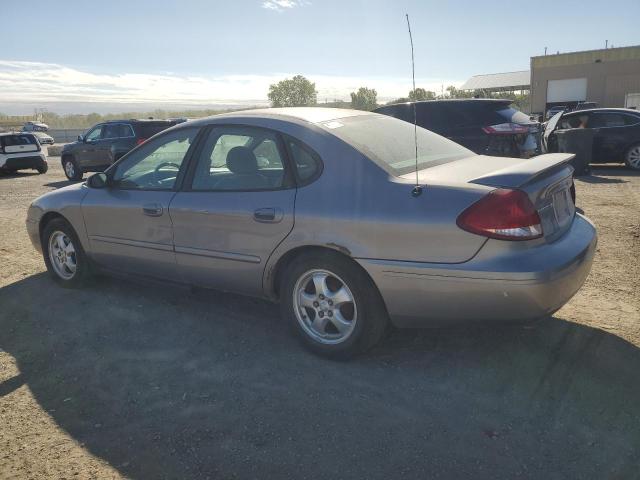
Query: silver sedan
[[324, 211]]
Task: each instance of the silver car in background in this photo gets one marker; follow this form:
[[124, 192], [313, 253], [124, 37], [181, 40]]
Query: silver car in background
[[317, 209]]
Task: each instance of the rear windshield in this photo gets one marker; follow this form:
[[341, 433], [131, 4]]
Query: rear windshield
[[148, 130], [513, 115], [13, 140], [389, 142]]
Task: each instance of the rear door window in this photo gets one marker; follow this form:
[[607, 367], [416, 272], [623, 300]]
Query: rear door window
[[117, 130], [148, 130], [599, 120], [15, 140], [307, 162]]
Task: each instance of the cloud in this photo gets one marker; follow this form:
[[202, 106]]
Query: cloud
[[281, 5], [33, 83]]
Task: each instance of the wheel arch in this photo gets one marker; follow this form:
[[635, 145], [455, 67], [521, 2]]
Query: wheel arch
[[273, 276], [46, 218]]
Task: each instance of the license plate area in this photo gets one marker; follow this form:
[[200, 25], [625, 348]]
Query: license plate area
[[563, 207]]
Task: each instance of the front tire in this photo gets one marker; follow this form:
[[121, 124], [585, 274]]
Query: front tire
[[332, 305], [63, 254], [632, 157], [71, 169]]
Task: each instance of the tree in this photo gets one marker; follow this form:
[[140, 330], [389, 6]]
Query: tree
[[364, 99], [453, 92], [420, 94], [398, 100], [293, 92]]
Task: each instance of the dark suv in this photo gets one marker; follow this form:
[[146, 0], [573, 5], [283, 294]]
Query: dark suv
[[106, 142], [486, 126]]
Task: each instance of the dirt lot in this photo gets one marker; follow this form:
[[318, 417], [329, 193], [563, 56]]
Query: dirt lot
[[128, 380]]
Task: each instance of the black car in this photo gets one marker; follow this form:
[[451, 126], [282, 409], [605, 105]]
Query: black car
[[616, 133], [105, 143], [486, 126]]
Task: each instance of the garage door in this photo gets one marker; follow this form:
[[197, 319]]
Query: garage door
[[568, 90]]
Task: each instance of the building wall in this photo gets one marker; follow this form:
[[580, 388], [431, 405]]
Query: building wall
[[610, 74]]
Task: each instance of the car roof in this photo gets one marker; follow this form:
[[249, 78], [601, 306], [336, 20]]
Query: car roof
[[4, 134], [505, 101], [296, 114], [140, 120], [589, 110]]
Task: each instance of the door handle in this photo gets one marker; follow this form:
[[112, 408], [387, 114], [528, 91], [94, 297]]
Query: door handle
[[268, 215], [152, 209]]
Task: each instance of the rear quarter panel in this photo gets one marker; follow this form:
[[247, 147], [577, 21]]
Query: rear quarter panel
[[357, 208]]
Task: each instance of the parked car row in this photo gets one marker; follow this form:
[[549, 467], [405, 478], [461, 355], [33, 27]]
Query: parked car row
[[616, 133], [338, 215], [485, 126]]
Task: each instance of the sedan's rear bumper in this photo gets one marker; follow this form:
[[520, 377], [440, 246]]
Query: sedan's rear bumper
[[522, 284]]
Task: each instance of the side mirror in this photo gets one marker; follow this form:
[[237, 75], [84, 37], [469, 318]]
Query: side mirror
[[98, 180], [80, 138]]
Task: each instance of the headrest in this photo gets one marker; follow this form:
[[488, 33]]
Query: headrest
[[242, 160]]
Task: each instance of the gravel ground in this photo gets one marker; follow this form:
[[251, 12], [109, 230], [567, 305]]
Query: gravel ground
[[124, 380]]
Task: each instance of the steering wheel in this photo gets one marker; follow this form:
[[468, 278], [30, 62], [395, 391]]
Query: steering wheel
[[156, 171]]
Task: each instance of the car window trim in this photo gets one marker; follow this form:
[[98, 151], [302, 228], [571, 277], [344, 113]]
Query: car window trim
[[288, 180], [119, 138], [317, 158], [183, 166]]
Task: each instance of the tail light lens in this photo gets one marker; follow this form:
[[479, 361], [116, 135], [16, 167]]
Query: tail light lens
[[503, 214], [505, 129], [140, 141]]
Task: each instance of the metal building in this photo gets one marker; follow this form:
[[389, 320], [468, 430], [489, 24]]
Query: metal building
[[604, 76], [499, 82]]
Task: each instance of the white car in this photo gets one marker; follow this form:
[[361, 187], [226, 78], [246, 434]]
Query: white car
[[44, 139], [21, 151]]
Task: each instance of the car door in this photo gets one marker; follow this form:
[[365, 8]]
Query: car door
[[610, 135], [236, 207], [113, 135], [128, 222], [86, 152]]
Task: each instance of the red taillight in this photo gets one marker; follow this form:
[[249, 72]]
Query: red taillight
[[505, 129], [140, 141], [502, 214]]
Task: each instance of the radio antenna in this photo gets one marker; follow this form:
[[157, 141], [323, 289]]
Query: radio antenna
[[417, 190]]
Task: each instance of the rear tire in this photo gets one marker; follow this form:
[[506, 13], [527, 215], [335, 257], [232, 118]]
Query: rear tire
[[63, 254], [43, 169], [71, 169], [332, 305], [632, 157]]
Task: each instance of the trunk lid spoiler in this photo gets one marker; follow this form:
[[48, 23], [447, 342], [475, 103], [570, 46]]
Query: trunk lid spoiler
[[525, 172]]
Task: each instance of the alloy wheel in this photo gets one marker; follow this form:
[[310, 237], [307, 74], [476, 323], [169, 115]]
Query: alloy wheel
[[633, 157], [324, 307], [62, 255], [69, 169]]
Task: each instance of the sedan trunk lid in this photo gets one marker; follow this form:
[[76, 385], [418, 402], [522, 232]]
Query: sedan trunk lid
[[547, 180]]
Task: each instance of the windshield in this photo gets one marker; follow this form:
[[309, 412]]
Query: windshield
[[390, 143]]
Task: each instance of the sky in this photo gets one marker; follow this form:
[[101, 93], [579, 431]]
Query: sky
[[80, 56]]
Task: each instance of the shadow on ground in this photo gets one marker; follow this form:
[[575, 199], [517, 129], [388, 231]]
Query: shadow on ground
[[18, 174], [60, 184], [163, 383]]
